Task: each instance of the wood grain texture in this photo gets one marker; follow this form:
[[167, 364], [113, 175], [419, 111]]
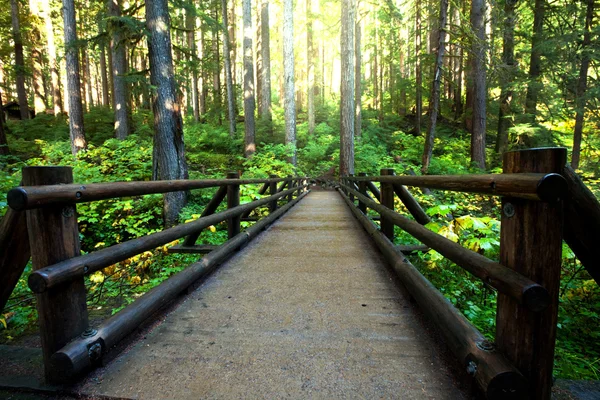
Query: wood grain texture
[[14, 252], [531, 244], [582, 223], [54, 237], [386, 198]]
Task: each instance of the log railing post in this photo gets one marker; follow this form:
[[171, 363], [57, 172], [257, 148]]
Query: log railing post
[[54, 237], [387, 200], [362, 188], [233, 200], [272, 191], [348, 182], [531, 244], [290, 185]]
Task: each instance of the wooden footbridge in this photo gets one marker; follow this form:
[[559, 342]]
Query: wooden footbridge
[[314, 300]]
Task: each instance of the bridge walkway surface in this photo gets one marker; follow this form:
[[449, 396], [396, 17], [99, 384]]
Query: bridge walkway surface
[[306, 310]]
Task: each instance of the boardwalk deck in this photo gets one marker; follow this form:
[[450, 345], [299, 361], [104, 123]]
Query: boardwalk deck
[[306, 310]]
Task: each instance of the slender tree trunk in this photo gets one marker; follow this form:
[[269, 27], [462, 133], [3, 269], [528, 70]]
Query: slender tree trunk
[[217, 101], [119, 68], [169, 151], [403, 75], [376, 68], [37, 62], [228, 79], [479, 84], [310, 68], [90, 94], [4, 150], [249, 102], [347, 108], [288, 72], [507, 76], [357, 75], [203, 89], [535, 62], [381, 71], [418, 73], [258, 64], [265, 72], [233, 49], [458, 69], [434, 101], [190, 25], [76, 130], [582, 84], [19, 60], [56, 94], [104, 76]]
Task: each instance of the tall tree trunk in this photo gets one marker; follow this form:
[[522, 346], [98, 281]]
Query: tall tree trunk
[[249, 102], [418, 73], [288, 72], [347, 109], [217, 101], [76, 130], [434, 100], [4, 150], [310, 68], [233, 49], [507, 76], [265, 72], [19, 60], [458, 68], [478, 74], [258, 65], [90, 93], [203, 83], [381, 71], [357, 74], [119, 68], [169, 151], [376, 68], [228, 79], [535, 62], [190, 25], [104, 76], [582, 84], [37, 62], [56, 93]]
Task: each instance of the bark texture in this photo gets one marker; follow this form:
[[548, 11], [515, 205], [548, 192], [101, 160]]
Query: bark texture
[[535, 63], [19, 60], [347, 108], [265, 72], [478, 74], [169, 152], [228, 78], [76, 130], [249, 101], [119, 68], [507, 76], [582, 85], [434, 100], [288, 76]]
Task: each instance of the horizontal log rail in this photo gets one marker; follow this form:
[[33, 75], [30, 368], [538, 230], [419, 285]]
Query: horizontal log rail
[[507, 281], [531, 186], [491, 370], [87, 351], [30, 197], [45, 278]]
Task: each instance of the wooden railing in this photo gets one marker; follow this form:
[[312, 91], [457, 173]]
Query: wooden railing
[[42, 223], [537, 190]]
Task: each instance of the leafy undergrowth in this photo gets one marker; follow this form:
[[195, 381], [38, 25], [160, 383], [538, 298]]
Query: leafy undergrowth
[[471, 220]]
